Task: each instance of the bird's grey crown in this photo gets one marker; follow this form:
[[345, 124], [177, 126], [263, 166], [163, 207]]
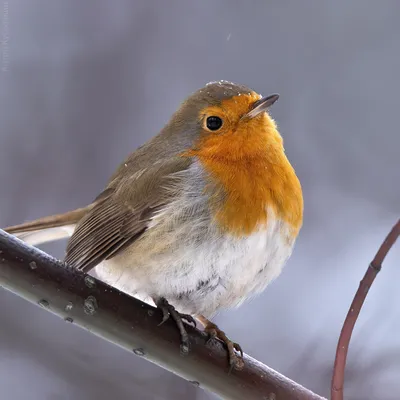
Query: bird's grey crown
[[221, 90]]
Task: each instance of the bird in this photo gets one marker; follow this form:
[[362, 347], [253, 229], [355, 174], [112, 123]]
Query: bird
[[198, 219]]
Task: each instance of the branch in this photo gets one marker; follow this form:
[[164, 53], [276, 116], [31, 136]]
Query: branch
[[354, 311], [133, 325]]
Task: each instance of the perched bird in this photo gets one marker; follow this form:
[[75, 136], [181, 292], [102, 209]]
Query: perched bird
[[198, 219]]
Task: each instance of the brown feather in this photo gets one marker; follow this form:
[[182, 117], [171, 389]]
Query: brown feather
[[52, 221], [122, 213]]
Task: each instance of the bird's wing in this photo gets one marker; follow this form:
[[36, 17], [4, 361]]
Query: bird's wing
[[122, 213]]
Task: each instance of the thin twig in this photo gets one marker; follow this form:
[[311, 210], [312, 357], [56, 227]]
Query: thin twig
[[133, 325], [354, 311]]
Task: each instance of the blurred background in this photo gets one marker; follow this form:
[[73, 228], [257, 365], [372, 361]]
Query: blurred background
[[85, 83]]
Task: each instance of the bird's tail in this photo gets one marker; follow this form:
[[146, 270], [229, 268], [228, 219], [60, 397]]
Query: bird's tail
[[48, 229]]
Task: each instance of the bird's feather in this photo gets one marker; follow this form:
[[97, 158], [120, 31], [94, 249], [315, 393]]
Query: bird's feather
[[49, 228], [122, 213]]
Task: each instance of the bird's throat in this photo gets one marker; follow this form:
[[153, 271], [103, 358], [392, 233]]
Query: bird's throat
[[248, 182]]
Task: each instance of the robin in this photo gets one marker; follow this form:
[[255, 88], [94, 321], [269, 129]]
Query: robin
[[198, 219]]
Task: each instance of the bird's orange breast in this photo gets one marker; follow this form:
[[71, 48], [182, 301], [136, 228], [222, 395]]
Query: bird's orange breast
[[248, 166]]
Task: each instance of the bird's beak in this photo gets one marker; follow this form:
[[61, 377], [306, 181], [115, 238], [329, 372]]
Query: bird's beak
[[262, 105]]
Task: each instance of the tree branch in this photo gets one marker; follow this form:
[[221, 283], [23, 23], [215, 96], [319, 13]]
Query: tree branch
[[133, 325], [354, 311]]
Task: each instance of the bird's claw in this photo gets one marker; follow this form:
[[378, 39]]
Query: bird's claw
[[238, 348], [169, 311], [235, 360]]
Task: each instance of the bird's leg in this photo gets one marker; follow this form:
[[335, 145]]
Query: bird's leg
[[169, 311], [235, 359]]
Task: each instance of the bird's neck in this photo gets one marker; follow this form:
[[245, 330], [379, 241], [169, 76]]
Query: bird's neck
[[248, 181]]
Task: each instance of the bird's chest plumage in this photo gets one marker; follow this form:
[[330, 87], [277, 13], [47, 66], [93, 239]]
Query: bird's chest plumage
[[185, 257]]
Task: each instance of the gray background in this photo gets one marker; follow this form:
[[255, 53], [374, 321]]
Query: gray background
[[86, 82]]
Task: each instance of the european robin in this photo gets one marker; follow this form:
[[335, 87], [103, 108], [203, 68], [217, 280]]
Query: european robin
[[199, 218]]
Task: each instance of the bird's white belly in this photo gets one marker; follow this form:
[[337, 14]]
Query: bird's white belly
[[203, 276]]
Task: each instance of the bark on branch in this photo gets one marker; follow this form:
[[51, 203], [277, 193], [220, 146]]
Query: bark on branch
[[355, 308], [123, 320]]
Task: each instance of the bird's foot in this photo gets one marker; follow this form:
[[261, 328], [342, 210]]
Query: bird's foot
[[169, 311], [235, 359]]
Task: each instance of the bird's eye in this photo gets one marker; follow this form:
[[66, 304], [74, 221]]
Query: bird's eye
[[214, 123]]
